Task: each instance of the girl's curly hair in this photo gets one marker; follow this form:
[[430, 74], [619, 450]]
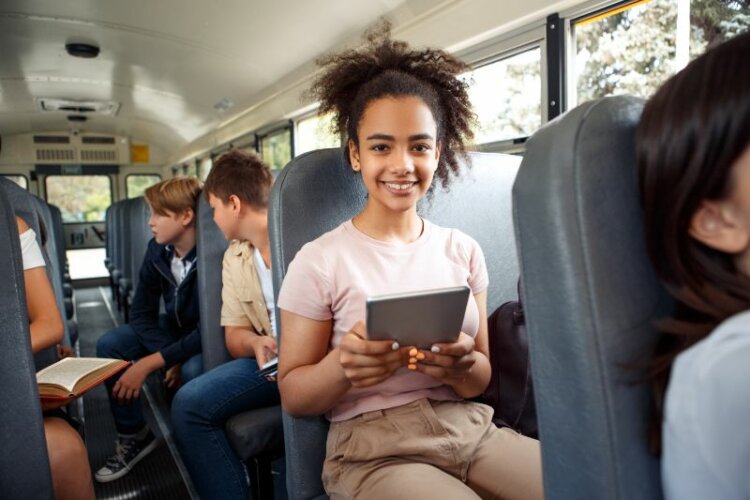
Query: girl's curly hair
[[388, 68]]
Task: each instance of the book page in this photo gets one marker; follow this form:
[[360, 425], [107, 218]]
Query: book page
[[68, 371]]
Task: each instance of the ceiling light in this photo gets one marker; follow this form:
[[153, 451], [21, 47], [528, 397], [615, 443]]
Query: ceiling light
[[85, 50], [77, 109], [223, 104]]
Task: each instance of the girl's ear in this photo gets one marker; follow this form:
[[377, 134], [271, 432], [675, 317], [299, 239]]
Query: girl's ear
[[354, 155], [715, 225]]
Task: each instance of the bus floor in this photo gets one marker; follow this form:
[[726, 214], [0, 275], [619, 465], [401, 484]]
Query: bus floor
[[158, 475]]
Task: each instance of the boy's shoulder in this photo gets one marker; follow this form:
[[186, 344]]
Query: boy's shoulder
[[237, 248]]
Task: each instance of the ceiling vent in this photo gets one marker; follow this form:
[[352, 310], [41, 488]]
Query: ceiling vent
[[97, 140], [51, 139], [55, 155], [50, 105], [99, 155], [75, 149]]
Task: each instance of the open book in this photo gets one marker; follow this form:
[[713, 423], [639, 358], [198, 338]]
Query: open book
[[71, 377]]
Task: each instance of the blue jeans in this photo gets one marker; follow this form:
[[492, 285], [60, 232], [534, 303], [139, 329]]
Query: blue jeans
[[199, 411], [122, 343]]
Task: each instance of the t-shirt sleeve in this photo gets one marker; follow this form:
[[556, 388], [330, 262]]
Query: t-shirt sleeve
[[32, 254], [306, 287], [478, 277], [722, 411]]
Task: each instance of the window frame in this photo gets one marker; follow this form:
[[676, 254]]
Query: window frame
[[528, 37], [127, 192], [111, 190], [276, 128], [569, 19], [306, 115]]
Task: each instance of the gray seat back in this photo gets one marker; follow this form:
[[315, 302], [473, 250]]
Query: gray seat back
[[23, 462], [125, 279], [108, 215], [140, 234], [590, 298], [211, 246], [318, 191], [116, 240], [121, 230], [58, 232], [28, 207]]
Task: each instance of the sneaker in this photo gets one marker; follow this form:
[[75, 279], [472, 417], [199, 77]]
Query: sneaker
[[129, 451]]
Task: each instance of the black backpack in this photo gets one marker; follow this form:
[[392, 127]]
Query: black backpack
[[510, 392]]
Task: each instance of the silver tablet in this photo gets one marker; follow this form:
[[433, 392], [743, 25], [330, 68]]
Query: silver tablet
[[418, 318]]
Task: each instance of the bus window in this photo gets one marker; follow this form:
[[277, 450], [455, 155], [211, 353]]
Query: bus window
[[204, 167], [633, 48], [136, 184], [81, 198], [507, 97], [191, 169], [276, 148], [19, 179], [314, 132], [712, 22]]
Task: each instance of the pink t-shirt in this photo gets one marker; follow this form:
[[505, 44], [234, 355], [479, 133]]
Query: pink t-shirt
[[332, 276]]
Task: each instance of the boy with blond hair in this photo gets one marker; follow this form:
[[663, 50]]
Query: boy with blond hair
[[237, 189], [153, 341]]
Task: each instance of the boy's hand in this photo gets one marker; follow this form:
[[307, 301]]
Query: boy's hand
[[265, 349], [369, 362], [173, 377], [450, 363], [128, 388]]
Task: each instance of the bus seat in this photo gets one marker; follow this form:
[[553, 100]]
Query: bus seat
[[210, 247], [108, 238], [23, 462], [58, 232], [256, 436], [26, 207], [120, 244], [140, 235], [318, 190], [591, 298], [112, 240], [125, 280]]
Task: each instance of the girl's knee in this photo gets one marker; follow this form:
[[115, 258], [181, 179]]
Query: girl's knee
[[65, 447]]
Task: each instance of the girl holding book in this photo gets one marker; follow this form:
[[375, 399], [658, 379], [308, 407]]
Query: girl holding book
[[69, 463]]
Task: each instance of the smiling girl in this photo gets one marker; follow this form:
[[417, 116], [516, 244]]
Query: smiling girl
[[397, 433]]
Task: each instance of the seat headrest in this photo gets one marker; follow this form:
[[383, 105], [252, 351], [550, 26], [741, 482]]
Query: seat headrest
[[591, 298]]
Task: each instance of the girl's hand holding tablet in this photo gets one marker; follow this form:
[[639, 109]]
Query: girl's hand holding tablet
[[449, 363], [369, 362]]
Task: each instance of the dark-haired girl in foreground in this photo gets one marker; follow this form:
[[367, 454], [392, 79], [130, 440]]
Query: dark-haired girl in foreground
[[69, 462], [694, 160], [407, 433]]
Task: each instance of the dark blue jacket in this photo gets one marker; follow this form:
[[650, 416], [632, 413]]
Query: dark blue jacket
[[183, 340]]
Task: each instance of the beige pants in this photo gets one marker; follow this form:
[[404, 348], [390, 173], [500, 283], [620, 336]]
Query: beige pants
[[430, 449]]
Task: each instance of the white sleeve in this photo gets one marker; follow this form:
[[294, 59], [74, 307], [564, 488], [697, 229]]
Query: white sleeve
[[722, 411], [32, 254]]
